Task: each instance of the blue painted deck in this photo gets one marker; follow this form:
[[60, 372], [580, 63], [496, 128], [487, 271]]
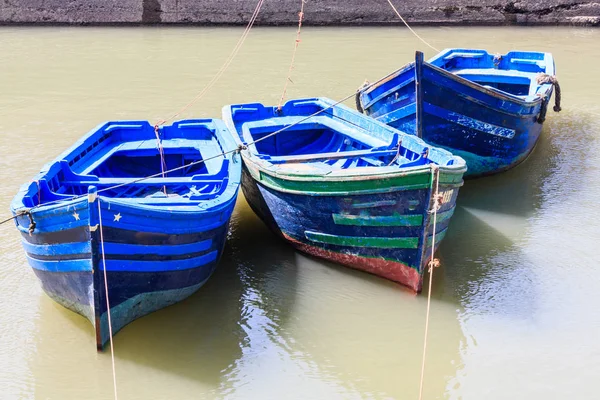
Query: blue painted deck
[[486, 109], [344, 187], [158, 249]]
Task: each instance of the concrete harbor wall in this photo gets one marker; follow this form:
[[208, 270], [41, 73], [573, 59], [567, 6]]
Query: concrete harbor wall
[[317, 12]]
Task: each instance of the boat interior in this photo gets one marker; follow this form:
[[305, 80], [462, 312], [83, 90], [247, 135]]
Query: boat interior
[[514, 73], [325, 141], [123, 161]]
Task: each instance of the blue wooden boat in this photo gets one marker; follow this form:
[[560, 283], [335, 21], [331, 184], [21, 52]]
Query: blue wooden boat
[[89, 216], [342, 186], [487, 109]]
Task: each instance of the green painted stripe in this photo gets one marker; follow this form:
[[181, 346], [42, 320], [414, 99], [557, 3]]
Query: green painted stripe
[[439, 236], [378, 220], [360, 241], [443, 216], [349, 185]]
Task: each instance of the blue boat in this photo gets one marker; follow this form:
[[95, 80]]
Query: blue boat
[[487, 109], [104, 218], [339, 185]]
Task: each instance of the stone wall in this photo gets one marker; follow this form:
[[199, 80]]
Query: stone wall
[[317, 12]]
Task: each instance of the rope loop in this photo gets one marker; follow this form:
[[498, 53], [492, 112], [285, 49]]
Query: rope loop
[[32, 223], [359, 91], [497, 59], [434, 263], [551, 79]]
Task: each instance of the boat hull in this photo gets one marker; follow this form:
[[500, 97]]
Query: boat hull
[[385, 231], [491, 132], [150, 261]]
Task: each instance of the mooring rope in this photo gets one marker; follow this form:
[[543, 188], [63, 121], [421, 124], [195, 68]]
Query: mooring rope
[[408, 26], [17, 215], [191, 164], [433, 263], [223, 68], [110, 334], [161, 152], [296, 44]]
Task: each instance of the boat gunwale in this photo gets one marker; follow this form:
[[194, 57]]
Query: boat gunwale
[[457, 78], [341, 175], [424, 171]]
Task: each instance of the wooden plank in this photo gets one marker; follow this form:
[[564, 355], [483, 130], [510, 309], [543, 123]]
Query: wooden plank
[[419, 93], [331, 156]]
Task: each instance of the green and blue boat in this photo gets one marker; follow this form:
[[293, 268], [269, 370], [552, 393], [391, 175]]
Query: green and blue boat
[[339, 185]]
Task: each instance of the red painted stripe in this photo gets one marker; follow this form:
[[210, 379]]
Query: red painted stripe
[[392, 270]]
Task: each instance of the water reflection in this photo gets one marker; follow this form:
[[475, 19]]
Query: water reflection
[[202, 342], [520, 279], [495, 215]]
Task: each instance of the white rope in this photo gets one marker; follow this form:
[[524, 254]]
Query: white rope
[[289, 76], [223, 154], [409, 28], [432, 264], [223, 68], [112, 350]]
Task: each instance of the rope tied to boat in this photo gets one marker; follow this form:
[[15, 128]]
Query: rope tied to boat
[[409, 28], [223, 68], [108, 314], [191, 164], [497, 59], [551, 79], [161, 152], [32, 223], [436, 203], [359, 107], [18, 214], [296, 44]]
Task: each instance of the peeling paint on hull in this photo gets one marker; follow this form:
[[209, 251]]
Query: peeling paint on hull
[[392, 270]]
